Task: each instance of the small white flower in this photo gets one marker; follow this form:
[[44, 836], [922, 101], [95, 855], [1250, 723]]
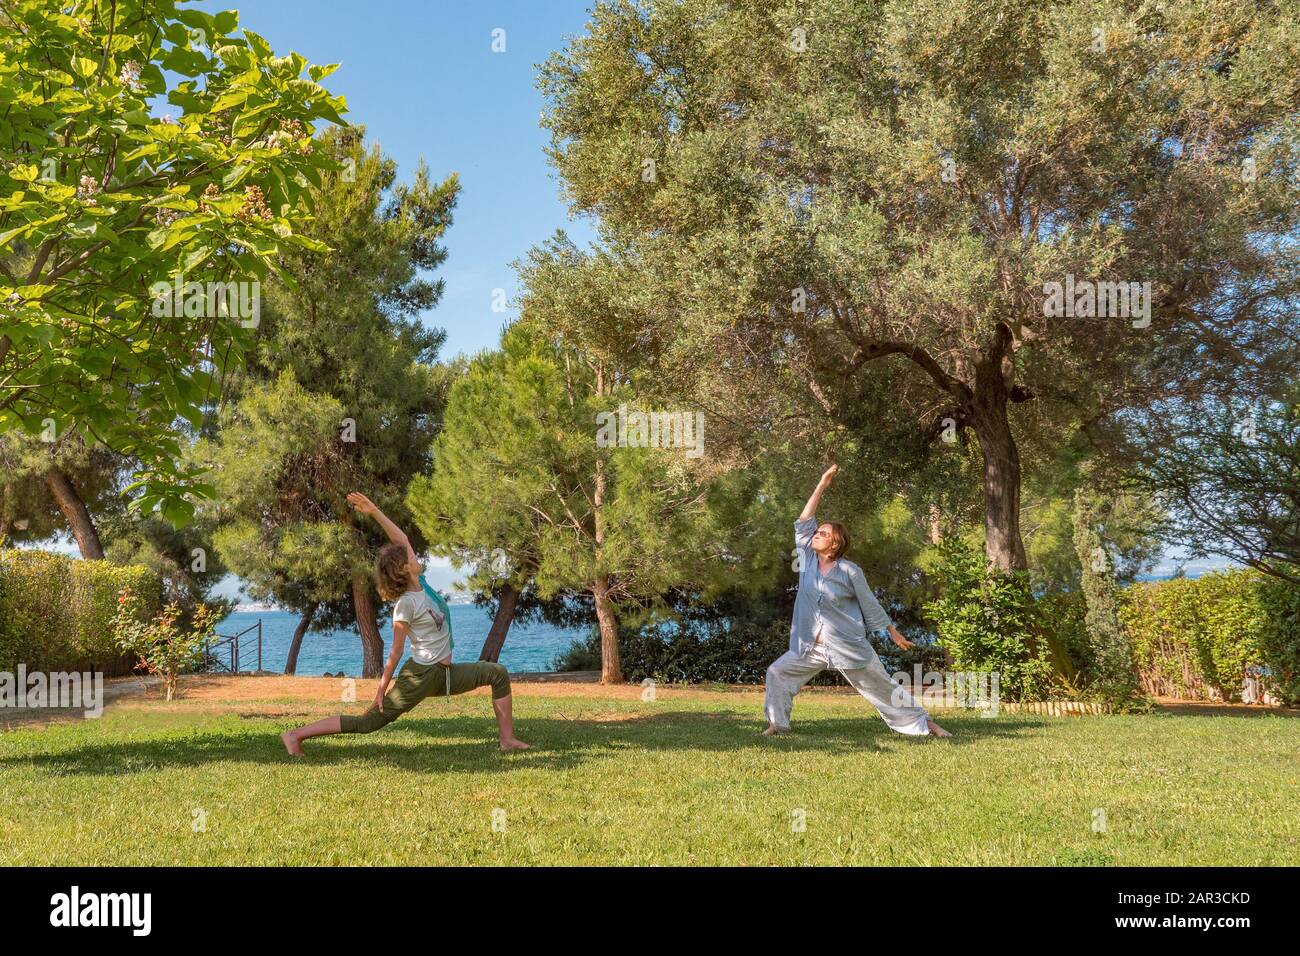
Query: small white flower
[[129, 75], [87, 189]]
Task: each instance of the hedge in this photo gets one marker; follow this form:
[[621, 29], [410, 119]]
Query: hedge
[[1195, 638], [56, 612]]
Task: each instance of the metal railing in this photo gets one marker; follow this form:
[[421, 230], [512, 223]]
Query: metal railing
[[231, 647]]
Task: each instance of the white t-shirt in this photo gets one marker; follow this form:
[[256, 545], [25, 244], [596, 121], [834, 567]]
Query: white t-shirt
[[429, 636]]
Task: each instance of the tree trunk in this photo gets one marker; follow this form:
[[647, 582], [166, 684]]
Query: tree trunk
[[496, 636], [1003, 545], [372, 645], [75, 513], [611, 668], [291, 665]]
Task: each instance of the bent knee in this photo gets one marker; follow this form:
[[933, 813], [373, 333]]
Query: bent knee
[[499, 678]]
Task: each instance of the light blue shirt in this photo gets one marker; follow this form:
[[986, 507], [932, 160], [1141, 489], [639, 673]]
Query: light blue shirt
[[838, 604]]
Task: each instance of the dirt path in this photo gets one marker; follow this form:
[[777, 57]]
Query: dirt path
[[329, 689], [115, 688]]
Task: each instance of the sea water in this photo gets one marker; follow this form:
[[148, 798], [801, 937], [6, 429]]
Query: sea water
[[528, 647]]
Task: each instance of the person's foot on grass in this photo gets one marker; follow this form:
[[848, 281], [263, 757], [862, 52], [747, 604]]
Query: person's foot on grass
[[935, 729], [773, 730], [291, 743], [514, 743]]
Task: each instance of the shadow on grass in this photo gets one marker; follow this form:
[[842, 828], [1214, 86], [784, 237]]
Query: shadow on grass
[[557, 743]]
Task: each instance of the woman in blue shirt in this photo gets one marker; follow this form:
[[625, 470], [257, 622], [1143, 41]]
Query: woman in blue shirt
[[833, 613]]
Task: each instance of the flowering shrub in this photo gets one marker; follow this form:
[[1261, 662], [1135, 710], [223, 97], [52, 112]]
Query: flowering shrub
[[162, 645]]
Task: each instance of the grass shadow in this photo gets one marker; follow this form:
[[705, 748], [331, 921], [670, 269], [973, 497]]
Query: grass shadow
[[558, 743]]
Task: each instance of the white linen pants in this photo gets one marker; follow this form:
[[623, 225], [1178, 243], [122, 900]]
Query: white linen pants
[[791, 671]]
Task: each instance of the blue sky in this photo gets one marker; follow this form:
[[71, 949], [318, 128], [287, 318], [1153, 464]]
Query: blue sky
[[424, 81]]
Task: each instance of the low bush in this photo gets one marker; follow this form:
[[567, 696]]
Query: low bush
[[56, 612], [988, 621]]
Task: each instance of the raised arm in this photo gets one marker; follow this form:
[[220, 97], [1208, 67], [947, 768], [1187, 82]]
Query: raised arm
[[810, 509], [365, 506]]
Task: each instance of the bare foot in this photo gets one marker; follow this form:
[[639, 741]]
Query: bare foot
[[513, 744], [936, 730], [291, 744], [773, 730]]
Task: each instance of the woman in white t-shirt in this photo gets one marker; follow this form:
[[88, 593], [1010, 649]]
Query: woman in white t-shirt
[[420, 616]]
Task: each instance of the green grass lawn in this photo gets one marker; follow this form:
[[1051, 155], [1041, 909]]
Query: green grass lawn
[[667, 782]]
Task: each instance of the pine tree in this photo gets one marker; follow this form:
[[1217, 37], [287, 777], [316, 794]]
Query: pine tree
[[342, 346]]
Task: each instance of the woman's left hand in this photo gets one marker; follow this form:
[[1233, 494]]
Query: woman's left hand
[[900, 640]]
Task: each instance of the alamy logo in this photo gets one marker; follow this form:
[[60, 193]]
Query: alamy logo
[[637, 429], [207, 300], [1085, 299], [103, 909], [977, 690], [57, 689]]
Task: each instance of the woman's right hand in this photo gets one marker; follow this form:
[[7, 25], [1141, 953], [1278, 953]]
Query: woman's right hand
[[829, 474], [379, 698]]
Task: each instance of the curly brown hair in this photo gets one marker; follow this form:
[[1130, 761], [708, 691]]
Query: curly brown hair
[[392, 572]]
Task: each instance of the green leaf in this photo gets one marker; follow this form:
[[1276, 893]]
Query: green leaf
[[227, 100], [260, 49], [192, 414], [148, 149], [236, 176], [318, 73], [306, 242], [18, 231], [178, 511], [226, 22]]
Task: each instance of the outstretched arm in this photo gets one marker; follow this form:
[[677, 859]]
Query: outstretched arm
[[810, 509], [365, 506], [873, 615]]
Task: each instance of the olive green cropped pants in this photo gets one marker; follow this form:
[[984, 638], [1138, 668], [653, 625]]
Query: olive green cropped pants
[[414, 682]]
